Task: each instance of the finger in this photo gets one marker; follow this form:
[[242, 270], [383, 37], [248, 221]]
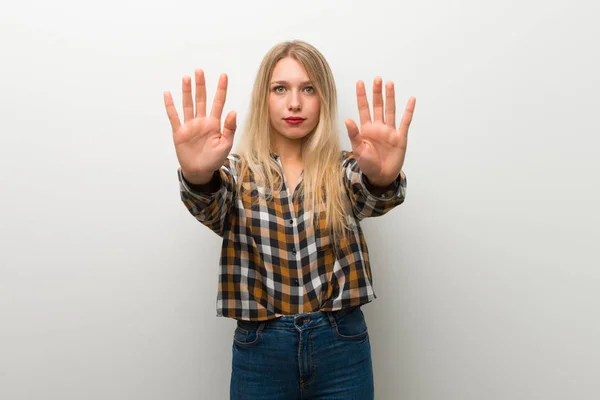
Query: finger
[[220, 96], [200, 94], [378, 100], [171, 111], [390, 105], [229, 126], [188, 105], [353, 134], [363, 103], [407, 116]]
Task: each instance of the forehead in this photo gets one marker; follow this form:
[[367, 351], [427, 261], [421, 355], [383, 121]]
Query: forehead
[[288, 69]]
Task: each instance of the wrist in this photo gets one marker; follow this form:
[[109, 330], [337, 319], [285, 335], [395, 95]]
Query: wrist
[[197, 179], [379, 183]]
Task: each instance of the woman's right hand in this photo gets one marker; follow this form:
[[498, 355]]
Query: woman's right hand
[[201, 146]]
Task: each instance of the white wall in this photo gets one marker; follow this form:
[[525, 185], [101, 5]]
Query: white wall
[[487, 277]]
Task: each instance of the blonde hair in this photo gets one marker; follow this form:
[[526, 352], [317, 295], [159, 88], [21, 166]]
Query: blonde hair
[[322, 187]]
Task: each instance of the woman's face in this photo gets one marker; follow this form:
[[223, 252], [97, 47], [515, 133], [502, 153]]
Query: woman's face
[[294, 105]]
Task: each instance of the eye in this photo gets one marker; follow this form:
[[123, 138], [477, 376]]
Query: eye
[[278, 89], [309, 89]]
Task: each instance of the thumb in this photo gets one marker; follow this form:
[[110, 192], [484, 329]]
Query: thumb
[[230, 125], [353, 133]]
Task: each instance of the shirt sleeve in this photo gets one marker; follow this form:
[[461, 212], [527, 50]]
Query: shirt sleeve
[[365, 202], [211, 209]]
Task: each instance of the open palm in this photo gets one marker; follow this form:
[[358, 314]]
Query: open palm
[[200, 143], [379, 147]]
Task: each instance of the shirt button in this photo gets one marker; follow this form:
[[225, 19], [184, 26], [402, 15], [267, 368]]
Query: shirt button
[[294, 252], [296, 283], [291, 222]]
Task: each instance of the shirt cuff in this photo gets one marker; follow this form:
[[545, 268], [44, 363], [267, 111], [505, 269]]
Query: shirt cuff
[[203, 192], [393, 190]]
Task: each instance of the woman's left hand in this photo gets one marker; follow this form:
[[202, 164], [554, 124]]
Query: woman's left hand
[[379, 147]]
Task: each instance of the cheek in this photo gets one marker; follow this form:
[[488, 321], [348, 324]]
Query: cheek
[[315, 108], [273, 107]]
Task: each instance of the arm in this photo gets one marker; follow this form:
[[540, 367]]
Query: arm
[[210, 203], [202, 149], [373, 172], [367, 199]]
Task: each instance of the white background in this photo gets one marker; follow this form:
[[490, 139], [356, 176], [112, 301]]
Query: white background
[[487, 276]]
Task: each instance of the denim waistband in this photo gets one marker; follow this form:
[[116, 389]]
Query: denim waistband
[[299, 321]]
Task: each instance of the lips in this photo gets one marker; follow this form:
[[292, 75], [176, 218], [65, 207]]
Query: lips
[[294, 120]]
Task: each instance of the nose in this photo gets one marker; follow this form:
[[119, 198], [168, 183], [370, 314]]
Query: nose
[[294, 101]]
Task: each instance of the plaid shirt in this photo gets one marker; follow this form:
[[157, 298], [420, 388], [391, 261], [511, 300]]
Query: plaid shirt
[[272, 261]]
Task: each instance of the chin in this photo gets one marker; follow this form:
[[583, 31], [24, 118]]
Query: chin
[[295, 133]]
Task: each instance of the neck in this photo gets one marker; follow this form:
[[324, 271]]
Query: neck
[[287, 149]]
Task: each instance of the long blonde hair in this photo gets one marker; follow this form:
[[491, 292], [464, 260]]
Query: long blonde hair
[[322, 187]]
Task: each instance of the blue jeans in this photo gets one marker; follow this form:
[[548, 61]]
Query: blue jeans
[[320, 355]]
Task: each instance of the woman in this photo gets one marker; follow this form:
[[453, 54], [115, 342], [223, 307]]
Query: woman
[[294, 268]]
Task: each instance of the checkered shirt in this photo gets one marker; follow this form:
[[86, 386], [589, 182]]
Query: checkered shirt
[[274, 262]]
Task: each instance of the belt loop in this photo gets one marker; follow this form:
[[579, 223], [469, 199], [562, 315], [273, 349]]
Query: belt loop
[[331, 319], [261, 326]]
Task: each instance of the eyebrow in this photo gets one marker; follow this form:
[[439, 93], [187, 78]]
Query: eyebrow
[[287, 83]]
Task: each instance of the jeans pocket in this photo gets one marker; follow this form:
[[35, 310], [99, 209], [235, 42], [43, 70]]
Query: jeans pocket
[[351, 325], [248, 333]]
